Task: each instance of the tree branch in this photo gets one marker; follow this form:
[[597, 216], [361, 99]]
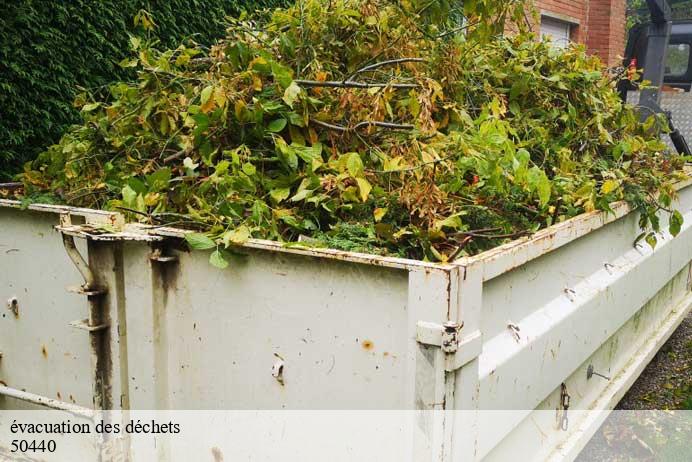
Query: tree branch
[[358, 126], [351, 84], [173, 157], [372, 67]]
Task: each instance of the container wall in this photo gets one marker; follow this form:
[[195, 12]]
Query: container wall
[[203, 338], [597, 301], [41, 352]]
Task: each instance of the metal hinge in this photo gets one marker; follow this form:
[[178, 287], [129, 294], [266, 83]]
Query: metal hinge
[[459, 350]]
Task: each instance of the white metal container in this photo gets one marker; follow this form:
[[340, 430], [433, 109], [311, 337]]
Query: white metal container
[[514, 329]]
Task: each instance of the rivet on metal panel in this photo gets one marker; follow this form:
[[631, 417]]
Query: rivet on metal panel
[[590, 372], [13, 306]]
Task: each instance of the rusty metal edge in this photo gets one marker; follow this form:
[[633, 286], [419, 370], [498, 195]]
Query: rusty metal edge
[[504, 258], [495, 262], [138, 232], [93, 215]]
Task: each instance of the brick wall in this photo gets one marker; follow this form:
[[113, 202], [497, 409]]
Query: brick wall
[[606, 34], [600, 24]]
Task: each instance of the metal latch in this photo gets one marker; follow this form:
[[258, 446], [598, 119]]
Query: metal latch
[[565, 399], [459, 350]]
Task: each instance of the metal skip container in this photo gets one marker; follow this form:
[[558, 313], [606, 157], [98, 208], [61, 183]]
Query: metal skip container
[[472, 360]]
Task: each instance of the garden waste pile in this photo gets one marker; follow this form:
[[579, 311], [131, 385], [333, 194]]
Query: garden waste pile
[[406, 128]]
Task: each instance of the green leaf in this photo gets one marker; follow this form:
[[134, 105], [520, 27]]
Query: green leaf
[[282, 74], [217, 260], [90, 107], [199, 241], [129, 196], [676, 221], [276, 125], [159, 179], [453, 222], [651, 240], [291, 94], [135, 42], [286, 153], [354, 164], [206, 94], [300, 195], [280, 194], [249, 169], [539, 182]]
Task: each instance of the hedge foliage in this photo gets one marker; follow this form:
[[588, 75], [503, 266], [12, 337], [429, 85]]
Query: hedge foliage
[[49, 48]]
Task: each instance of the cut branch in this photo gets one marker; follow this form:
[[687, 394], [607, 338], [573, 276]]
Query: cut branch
[[358, 126], [352, 84], [390, 62], [11, 186], [173, 157]]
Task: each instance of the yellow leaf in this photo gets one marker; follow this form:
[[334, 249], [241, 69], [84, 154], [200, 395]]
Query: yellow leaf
[[256, 82], [364, 187], [237, 236], [220, 97], [379, 213], [240, 109], [609, 186]]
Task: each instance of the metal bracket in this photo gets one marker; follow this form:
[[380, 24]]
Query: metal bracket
[[83, 324], [158, 256], [89, 288], [459, 350]]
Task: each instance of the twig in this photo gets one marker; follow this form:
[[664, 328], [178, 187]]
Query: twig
[[173, 157], [358, 126], [137, 212], [372, 67], [461, 247], [351, 84], [457, 29]]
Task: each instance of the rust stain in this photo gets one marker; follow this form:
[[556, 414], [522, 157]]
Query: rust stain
[[368, 345], [386, 353], [44, 351], [59, 395], [217, 454]]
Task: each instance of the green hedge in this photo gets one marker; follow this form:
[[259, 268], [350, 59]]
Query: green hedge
[[48, 48]]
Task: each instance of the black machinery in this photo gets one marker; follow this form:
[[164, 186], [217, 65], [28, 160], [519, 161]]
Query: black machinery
[[662, 48]]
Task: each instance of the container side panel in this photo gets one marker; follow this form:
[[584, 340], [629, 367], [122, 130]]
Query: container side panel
[[41, 352], [622, 357], [544, 319], [272, 331]]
